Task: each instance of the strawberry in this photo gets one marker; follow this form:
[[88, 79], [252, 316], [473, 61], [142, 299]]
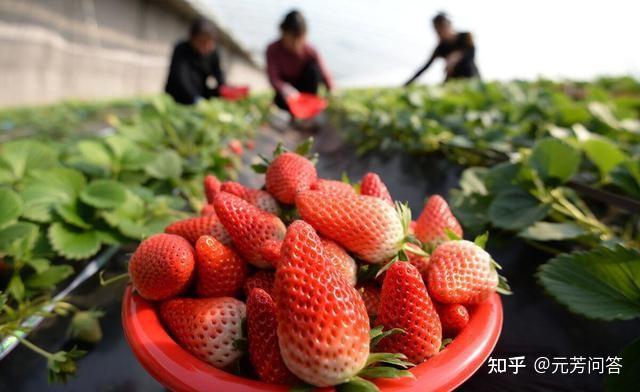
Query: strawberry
[[257, 197], [248, 226], [193, 228], [211, 187], [206, 327], [405, 304], [323, 328], [162, 267], [370, 293], [288, 174], [220, 271], [262, 280], [420, 262], [372, 185], [264, 352], [207, 210], [364, 225], [236, 147], [250, 144], [340, 259], [453, 318], [434, 221], [461, 272], [333, 187], [270, 252], [412, 227]]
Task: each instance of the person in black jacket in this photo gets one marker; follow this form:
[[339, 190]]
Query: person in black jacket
[[193, 64], [457, 49]]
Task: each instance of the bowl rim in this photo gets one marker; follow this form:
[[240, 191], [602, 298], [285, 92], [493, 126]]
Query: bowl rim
[[178, 370]]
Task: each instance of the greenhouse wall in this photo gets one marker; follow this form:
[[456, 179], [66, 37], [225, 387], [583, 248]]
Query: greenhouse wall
[[87, 49]]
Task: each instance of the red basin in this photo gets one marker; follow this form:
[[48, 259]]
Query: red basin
[[305, 106], [234, 93], [178, 370]]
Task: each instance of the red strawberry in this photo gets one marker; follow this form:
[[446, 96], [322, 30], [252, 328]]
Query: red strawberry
[[236, 147], [257, 197], [206, 327], [372, 185], [405, 304], [220, 271], [340, 259], [333, 187], [364, 225], [193, 228], [250, 144], [264, 351], [211, 187], [262, 280], [270, 252], [453, 318], [434, 221], [461, 272], [162, 267], [370, 293], [323, 327], [207, 210], [289, 174], [412, 227], [420, 262], [248, 226]]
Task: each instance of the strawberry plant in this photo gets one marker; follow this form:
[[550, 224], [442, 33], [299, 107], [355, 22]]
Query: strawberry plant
[[65, 196]]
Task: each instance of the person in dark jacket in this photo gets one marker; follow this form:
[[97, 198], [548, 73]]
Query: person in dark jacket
[[294, 66], [456, 48], [193, 64]]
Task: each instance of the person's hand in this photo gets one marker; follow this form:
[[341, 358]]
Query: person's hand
[[289, 91], [452, 60]]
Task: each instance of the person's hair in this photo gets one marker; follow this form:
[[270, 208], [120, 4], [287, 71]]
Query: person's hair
[[440, 19], [203, 26], [294, 23]]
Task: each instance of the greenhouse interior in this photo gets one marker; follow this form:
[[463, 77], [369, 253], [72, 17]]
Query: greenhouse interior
[[305, 195]]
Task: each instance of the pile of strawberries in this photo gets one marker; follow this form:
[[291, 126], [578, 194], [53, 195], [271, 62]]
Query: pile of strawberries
[[318, 281]]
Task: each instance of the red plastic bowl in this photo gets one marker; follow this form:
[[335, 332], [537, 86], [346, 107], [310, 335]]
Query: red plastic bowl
[[234, 93], [305, 106], [178, 370]]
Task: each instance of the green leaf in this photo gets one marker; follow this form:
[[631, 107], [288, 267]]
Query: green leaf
[[38, 265], [379, 336], [472, 181], [384, 372], [104, 194], [482, 239], [629, 377], [166, 165], [604, 154], [396, 359], [16, 287], [626, 176], [72, 214], [10, 206], [546, 231], [603, 283], [48, 278], [46, 188], [555, 159], [62, 364], [515, 210], [19, 239], [22, 156], [357, 384], [73, 244]]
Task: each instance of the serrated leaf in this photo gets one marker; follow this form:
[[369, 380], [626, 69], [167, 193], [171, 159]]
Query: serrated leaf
[[555, 159], [48, 278], [166, 165], [73, 244], [604, 154], [546, 231], [72, 214], [19, 239], [10, 206], [515, 210], [23, 156], [104, 194], [43, 189], [603, 283]]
